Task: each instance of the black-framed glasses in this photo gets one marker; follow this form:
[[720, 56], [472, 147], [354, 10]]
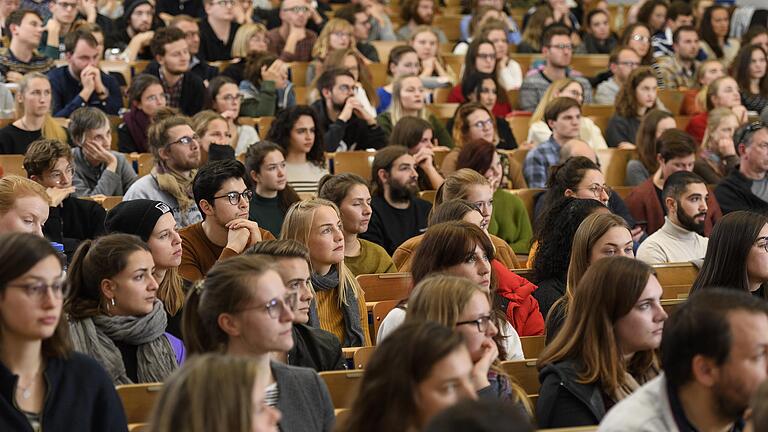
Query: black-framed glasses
[[743, 133], [561, 46], [234, 197], [277, 305], [186, 140], [482, 323], [297, 9], [38, 290]]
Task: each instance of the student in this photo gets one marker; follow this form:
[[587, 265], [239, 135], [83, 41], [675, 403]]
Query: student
[[134, 30], [398, 214], [509, 219], [340, 306], [578, 381], [743, 189], [60, 21], [351, 195], [266, 89], [217, 31], [541, 18], [359, 17], [226, 100], [709, 381], [563, 116], [412, 367], [351, 61], [654, 123], [408, 100], [98, 169], [403, 60], [215, 136], [225, 231], [676, 152], [538, 129], [336, 35], [472, 121], [678, 70], [486, 90], [717, 157], [715, 30], [243, 309], [736, 255], [434, 70], [292, 40], [115, 315], [189, 402], [71, 220], [176, 153], [621, 62], [464, 306], [419, 13], [44, 382], [637, 36], [417, 135], [23, 206], [749, 69], [480, 57], [598, 39], [680, 238], [635, 99], [33, 99], [21, 56], [694, 100], [296, 130], [313, 347], [679, 14], [509, 74], [722, 92], [653, 13], [153, 222], [272, 195], [191, 29], [146, 96]]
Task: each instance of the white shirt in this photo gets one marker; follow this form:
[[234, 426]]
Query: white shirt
[[672, 243]]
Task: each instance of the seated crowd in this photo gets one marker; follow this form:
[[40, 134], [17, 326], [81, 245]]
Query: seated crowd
[[178, 209]]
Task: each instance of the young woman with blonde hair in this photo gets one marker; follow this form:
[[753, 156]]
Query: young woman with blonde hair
[[24, 205], [250, 39], [723, 92], [243, 309], [337, 34], [215, 136], [189, 402], [340, 305], [716, 156], [538, 131], [616, 312]]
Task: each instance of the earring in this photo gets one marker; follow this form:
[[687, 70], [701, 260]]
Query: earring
[[113, 302]]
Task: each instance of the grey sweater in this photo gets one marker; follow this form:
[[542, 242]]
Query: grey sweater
[[96, 180], [303, 399], [147, 188]]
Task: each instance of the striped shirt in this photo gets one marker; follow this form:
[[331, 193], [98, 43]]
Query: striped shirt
[[38, 63], [303, 177], [271, 394]]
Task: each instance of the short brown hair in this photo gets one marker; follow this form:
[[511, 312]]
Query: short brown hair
[[383, 160], [157, 135], [163, 37], [42, 155], [558, 106], [675, 143], [72, 38]]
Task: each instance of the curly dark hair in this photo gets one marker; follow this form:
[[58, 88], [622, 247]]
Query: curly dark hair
[[565, 176], [555, 237], [280, 132]]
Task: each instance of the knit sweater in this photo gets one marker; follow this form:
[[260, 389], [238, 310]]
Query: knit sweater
[[672, 243], [147, 187], [95, 180], [510, 221], [331, 317], [372, 259]]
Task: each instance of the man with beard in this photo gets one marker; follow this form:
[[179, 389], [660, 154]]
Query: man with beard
[[134, 30], [714, 352], [680, 238], [397, 213], [184, 90], [746, 188], [676, 152], [347, 125], [679, 71], [176, 151], [293, 41]]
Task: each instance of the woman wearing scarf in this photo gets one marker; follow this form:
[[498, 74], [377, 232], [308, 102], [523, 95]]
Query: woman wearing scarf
[[340, 303], [115, 315], [146, 96]]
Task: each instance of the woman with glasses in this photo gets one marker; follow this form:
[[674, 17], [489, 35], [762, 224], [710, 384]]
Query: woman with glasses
[[465, 307], [146, 96], [295, 130], [340, 306], [272, 195], [242, 308], [226, 100], [651, 127], [638, 37], [44, 382], [34, 109], [337, 34], [481, 57], [114, 311], [472, 121], [737, 255], [486, 90], [616, 313], [538, 131]]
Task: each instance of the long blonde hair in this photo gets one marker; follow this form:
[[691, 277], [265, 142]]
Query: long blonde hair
[[556, 87], [297, 226], [457, 184], [323, 45], [51, 129], [244, 34], [396, 107], [714, 118]]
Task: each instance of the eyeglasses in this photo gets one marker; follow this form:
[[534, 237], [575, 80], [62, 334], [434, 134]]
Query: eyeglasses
[[488, 57], [743, 134], [341, 34], [276, 305], [232, 98], [562, 46], [482, 124], [297, 9], [66, 5], [186, 140], [482, 323], [597, 189], [38, 290], [234, 197], [640, 38]]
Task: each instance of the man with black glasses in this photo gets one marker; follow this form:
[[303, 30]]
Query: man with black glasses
[[292, 41], [223, 198], [746, 188]]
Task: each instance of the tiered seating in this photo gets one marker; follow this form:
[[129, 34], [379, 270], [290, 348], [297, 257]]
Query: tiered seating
[[343, 386], [138, 400]]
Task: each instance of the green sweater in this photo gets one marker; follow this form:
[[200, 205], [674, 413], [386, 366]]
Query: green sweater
[[438, 128], [372, 259], [509, 221]]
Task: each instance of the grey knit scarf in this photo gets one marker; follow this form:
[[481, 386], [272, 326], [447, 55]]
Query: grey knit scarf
[[156, 360], [353, 332]]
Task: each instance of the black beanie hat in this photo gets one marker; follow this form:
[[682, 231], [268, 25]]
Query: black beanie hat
[[137, 217], [130, 5]]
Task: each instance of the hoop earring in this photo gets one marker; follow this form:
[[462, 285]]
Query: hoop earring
[[113, 302]]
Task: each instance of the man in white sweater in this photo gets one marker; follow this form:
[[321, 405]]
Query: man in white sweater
[[680, 238]]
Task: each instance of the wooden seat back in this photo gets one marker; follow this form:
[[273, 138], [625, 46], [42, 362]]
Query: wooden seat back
[[343, 386], [385, 286], [139, 400], [525, 373]]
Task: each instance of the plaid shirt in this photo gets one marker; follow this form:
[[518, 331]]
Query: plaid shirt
[[673, 75], [173, 93], [538, 161]]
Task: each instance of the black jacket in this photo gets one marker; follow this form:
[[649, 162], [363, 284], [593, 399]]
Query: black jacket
[[316, 349], [355, 133], [74, 221], [202, 69], [79, 396], [735, 193], [563, 401], [193, 93]]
